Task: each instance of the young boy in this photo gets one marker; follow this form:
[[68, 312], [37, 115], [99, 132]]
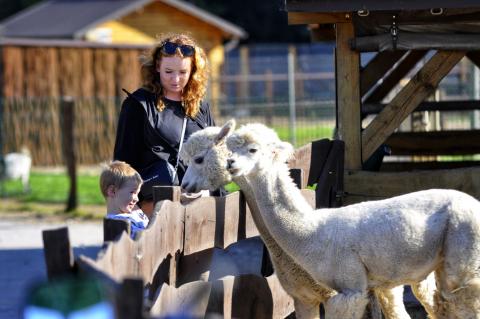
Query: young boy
[[120, 185]]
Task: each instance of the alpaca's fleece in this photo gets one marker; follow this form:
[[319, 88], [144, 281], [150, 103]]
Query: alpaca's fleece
[[370, 245]]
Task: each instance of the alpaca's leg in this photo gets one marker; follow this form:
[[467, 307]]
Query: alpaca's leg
[[350, 278], [306, 311], [346, 305], [392, 304], [462, 302], [424, 291]]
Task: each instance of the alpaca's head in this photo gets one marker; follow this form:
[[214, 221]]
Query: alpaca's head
[[254, 148], [205, 153]]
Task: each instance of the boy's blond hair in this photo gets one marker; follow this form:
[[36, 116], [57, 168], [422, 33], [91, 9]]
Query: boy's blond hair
[[117, 173]]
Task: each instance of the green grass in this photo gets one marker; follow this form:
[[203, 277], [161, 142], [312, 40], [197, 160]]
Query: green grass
[[54, 187], [305, 134]]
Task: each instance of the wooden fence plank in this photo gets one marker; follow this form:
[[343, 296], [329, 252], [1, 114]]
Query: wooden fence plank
[[118, 259], [165, 236], [301, 159], [188, 301], [129, 303], [200, 228], [171, 193], [195, 266], [220, 225], [58, 252], [260, 298], [113, 228]]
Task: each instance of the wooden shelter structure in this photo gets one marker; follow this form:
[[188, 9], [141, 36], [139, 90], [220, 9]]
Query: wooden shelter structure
[[403, 34]]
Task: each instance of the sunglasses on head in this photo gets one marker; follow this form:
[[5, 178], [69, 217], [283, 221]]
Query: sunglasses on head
[[170, 48]]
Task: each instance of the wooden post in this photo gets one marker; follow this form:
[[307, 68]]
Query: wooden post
[[57, 251], [297, 176], [348, 95], [68, 123], [113, 228], [130, 299], [171, 193]]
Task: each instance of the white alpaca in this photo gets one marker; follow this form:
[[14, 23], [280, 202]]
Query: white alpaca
[[17, 166], [206, 154], [378, 244]]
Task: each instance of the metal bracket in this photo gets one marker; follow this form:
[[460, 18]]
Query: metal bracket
[[394, 31]]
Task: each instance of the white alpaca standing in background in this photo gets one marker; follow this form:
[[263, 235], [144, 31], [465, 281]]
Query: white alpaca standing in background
[[17, 166], [206, 154], [377, 244]]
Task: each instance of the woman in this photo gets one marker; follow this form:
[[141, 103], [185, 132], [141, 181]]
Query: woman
[[153, 117]]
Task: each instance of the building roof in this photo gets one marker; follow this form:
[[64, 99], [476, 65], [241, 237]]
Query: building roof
[[71, 19]]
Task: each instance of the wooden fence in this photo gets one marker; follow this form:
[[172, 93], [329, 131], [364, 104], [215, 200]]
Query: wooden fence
[[36, 75], [173, 258]]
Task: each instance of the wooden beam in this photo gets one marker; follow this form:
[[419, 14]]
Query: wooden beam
[[377, 68], [348, 95], [417, 41], [429, 165], [417, 89], [362, 185], [375, 108], [395, 76], [317, 17], [435, 143]]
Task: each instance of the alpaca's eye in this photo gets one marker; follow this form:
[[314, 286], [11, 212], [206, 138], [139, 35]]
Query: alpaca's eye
[[252, 150], [199, 160]]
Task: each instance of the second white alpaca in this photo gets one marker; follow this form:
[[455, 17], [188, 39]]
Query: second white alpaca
[[372, 244]]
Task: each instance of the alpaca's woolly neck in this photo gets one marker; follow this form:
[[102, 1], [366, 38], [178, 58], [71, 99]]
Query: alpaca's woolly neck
[[283, 264], [285, 212]]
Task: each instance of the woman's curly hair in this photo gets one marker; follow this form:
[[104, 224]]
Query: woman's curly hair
[[196, 87]]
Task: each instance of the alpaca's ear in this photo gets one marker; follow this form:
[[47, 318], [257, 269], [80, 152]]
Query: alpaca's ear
[[226, 130], [283, 151]]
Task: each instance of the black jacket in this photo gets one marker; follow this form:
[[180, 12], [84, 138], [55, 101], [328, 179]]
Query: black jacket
[[145, 135]]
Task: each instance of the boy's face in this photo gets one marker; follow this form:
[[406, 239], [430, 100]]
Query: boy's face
[[123, 200]]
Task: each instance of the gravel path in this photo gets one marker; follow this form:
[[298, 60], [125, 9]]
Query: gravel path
[[21, 255]]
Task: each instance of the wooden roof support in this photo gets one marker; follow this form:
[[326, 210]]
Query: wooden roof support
[[348, 95], [474, 56], [377, 68], [458, 105], [417, 89], [318, 17], [395, 76], [460, 142]]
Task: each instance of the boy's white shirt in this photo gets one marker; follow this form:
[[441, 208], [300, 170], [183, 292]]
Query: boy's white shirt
[[138, 220]]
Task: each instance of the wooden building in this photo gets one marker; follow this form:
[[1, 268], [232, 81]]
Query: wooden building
[[436, 35], [123, 22], [88, 50]]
